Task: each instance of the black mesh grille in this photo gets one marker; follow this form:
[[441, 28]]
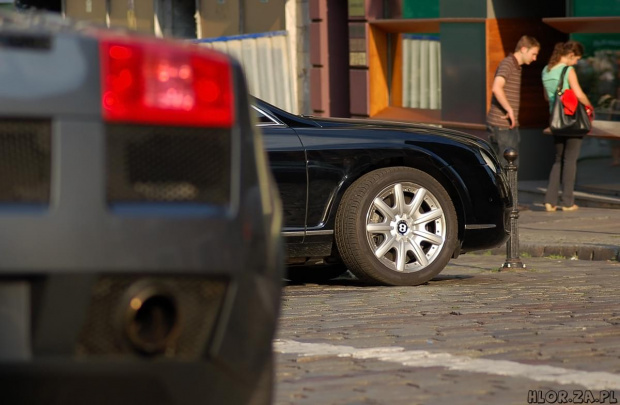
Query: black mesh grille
[[199, 301], [25, 161], [163, 164]]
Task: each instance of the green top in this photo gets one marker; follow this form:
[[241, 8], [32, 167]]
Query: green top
[[551, 78]]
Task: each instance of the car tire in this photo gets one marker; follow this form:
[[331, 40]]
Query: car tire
[[315, 274], [396, 226]]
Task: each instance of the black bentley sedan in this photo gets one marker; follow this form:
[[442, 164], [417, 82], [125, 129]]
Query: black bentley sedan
[[391, 202]]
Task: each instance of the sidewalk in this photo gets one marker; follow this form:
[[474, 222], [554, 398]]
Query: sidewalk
[[585, 234], [590, 233]]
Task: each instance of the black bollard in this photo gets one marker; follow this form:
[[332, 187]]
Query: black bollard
[[512, 246]]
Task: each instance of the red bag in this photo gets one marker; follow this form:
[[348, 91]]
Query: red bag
[[577, 123], [570, 102]]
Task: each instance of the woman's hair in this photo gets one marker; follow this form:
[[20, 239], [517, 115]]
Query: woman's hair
[[563, 49]]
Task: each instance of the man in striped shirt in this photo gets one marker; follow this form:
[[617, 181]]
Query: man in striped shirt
[[503, 116]]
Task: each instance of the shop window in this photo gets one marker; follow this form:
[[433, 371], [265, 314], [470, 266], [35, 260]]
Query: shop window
[[599, 73], [421, 71], [405, 69]]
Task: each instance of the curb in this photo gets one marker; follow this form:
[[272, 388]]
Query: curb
[[593, 252]]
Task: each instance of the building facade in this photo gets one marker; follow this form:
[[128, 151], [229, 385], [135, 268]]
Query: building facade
[[411, 60]]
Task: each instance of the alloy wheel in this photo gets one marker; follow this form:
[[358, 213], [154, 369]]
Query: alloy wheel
[[406, 227]]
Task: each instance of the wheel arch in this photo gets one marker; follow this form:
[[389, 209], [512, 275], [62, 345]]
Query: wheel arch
[[423, 161]]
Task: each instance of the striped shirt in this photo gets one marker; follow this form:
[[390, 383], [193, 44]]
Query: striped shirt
[[510, 70]]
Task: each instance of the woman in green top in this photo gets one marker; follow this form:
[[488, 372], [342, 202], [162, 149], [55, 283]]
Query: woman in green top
[[566, 147]]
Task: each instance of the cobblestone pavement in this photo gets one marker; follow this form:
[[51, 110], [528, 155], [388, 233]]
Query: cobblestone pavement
[[473, 335]]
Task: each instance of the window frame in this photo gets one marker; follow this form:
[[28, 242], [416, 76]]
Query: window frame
[[274, 121]]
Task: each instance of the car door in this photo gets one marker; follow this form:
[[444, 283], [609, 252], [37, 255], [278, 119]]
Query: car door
[[287, 159]]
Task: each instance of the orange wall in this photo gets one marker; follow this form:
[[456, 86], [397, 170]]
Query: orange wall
[[377, 70]]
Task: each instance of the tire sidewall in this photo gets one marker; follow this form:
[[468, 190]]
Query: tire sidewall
[[372, 267]]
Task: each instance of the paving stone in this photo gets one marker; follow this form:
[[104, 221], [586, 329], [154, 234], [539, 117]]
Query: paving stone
[[564, 313]]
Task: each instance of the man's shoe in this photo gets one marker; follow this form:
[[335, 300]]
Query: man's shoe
[[573, 207], [550, 208]]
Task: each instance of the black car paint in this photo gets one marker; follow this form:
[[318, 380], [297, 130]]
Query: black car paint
[[339, 151]]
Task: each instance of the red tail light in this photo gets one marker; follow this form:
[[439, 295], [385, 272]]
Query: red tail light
[[154, 82]]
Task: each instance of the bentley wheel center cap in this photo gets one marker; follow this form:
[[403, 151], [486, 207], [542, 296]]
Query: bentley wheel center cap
[[402, 227]]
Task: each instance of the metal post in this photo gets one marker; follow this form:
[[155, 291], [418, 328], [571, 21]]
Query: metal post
[[512, 246]]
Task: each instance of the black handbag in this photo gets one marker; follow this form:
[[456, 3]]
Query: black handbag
[[570, 125]]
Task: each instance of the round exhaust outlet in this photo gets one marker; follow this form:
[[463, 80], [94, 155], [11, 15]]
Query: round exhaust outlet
[[152, 319]]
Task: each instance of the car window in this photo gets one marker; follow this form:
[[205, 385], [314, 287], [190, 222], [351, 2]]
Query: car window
[[263, 119]]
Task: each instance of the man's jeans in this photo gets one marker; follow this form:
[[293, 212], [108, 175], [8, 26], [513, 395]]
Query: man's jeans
[[503, 138]]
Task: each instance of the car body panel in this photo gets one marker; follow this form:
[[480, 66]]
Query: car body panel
[[339, 151], [72, 259], [288, 163]]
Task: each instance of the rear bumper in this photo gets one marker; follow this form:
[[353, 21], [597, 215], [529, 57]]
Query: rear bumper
[[82, 357], [121, 382]]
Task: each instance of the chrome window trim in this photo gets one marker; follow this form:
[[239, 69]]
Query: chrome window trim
[[269, 125], [275, 122]]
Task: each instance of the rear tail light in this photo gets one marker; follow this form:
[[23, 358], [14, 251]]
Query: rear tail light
[[157, 82]]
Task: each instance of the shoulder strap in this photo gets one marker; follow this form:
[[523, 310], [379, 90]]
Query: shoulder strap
[[561, 82]]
